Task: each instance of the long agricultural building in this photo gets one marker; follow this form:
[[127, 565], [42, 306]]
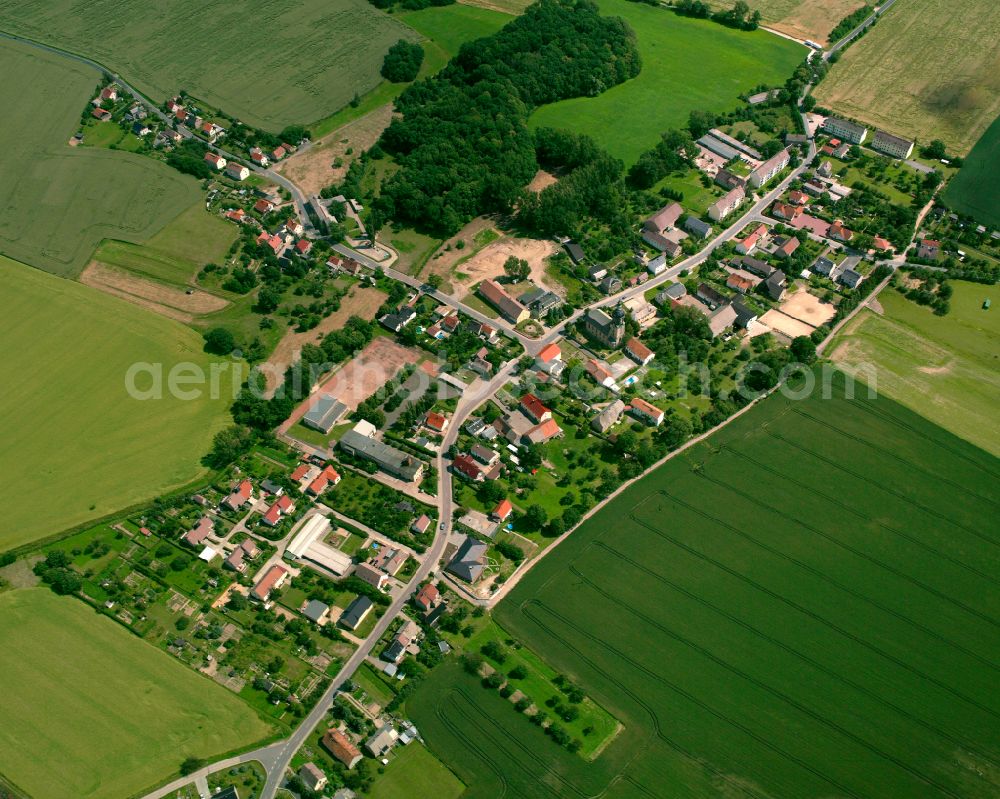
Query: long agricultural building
[[309, 545]]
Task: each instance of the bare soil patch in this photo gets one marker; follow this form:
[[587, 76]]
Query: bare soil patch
[[488, 263], [541, 180], [363, 301], [312, 169], [362, 376], [814, 19], [786, 325], [808, 308], [172, 302]]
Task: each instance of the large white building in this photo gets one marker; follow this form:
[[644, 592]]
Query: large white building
[[308, 545], [726, 204], [771, 167], [848, 131], [893, 146]]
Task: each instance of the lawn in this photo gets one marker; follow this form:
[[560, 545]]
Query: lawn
[[450, 27], [944, 368], [61, 200], [287, 62], [93, 712], [76, 445], [945, 89], [805, 604], [414, 773], [975, 190], [687, 64]]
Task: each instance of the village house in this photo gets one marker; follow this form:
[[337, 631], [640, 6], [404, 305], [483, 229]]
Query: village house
[[465, 466], [929, 249], [721, 319], [728, 180], [263, 206], [796, 197], [273, 241], [726, 204], [435, 421], [237, 215], [533, 408], [303, 247], [372, 576], [786, 247], [282, 506], [259, 157], [698, 228], [542, 432], [502, 511], [399, 318], [197, 535], [101, 114], [785, 211], [839, 232], [271, 581], [355, 613], [775, 285], [240, 495], [646, 412], [741, 281], [549, 360], [601, 374], [510, 309], [215, 161], [712, 298], [314, 779], [427, 597], [469, 560], [657, 265], [420, 525], [756, 238], [575, 252], [324, 480]]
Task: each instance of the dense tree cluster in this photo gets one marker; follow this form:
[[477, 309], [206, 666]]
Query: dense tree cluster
[[409, 5], [189, 157], [674, 151], [402, 62], [739, 16], [462, 140]]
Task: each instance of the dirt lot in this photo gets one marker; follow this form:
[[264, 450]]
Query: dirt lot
[[808, 308], [814, 19], [489, 261], [172, 302], [786, 325], [313, 169], [362, 376], [362, 301]]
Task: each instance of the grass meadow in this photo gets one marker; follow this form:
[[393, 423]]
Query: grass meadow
[[93, 712], [943, 367], [75, 445], [924, 87], [277, 63], [687, 64], [61, 200], [414, 773], [805, 604], [975, 190]]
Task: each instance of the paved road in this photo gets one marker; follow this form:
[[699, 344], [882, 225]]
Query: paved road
[[854, 34]]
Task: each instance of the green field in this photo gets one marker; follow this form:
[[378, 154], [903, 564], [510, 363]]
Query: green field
[[75, 445], [414, 773], [945, 368], [975, 190], [804, 605], [94, 713], [452, 26], [277, 63], [946, 89], [175, 254], [687, 65], [60, 200]]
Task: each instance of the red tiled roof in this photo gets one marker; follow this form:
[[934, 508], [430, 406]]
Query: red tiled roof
[[467, 466], [263, 206], [549, 353], [638, 349], [268, 581], [435, 421], [427, 596], [646, 408], [503, 509], [303, 246], [544, 431], [533, 407], [300, 471]]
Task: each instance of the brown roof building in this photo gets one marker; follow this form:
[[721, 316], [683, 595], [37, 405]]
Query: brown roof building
[[340, 746]]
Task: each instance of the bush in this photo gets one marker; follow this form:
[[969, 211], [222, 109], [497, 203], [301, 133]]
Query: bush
[[402, 62]]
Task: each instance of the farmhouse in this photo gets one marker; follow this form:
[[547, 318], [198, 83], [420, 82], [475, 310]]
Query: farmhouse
[[545, 431], [427, 597], [469, 560], [646, 412], [512, 310], [893, 146], [609, 417], [259, 157], [324, 413], [786, 247], [771, 167], [215, 161], [638, 351], [849, 131], [726, 204], [340, 746], [741, 281], [608, 330], [721, 319]]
